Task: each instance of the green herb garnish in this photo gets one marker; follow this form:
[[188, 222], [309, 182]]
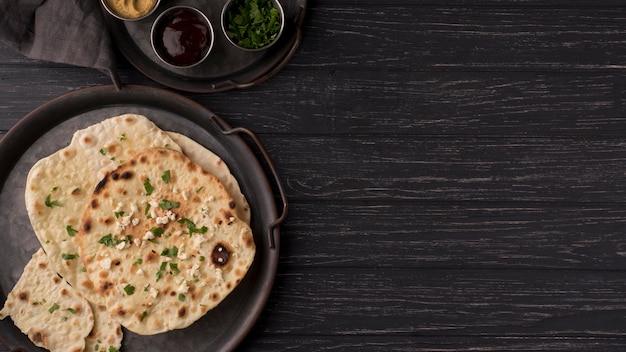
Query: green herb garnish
[[51, 203], [70, 231], [166, 204], [69, 256], [166, 177], [174, 268], [143, 315], [157, 231], [148, 187], [109, 240], [129, 289], [170, 252], [54, 307], [181, 297], [253, 24], [159, 273], [191, 226], [118, 214]]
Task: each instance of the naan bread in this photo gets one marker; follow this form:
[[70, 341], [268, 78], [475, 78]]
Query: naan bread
[[213, 164], [58, 187], [47, 309], [106, 332], [182, 251]]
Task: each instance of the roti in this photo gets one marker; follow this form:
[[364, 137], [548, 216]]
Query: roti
[[47, 309], [182, 251], [58, 187]]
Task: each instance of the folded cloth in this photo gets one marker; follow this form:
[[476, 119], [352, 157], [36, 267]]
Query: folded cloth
[[64, 31]]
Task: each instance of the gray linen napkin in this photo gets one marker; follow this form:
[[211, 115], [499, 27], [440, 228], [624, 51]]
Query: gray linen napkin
[[64, 31]]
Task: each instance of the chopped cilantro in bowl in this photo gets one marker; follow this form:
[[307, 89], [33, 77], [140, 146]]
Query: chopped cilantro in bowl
[[253, 24]]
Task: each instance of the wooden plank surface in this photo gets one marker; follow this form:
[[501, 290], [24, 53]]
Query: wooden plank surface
[[455, 170]]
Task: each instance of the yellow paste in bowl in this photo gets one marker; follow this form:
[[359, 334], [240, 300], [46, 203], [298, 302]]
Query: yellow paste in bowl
[[131, 8]]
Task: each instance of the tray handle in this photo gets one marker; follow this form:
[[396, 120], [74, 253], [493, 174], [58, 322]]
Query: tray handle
[[227, 130]]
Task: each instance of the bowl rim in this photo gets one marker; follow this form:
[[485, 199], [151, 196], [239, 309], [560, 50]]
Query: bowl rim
[[120, 17], [225, 9]]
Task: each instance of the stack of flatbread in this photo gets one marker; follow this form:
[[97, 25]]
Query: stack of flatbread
[[139, 228]]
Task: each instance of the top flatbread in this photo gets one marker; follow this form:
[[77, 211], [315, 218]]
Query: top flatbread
[[58, 187], [182, 251]]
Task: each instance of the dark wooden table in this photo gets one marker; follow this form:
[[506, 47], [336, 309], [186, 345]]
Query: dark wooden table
[[456, 172]]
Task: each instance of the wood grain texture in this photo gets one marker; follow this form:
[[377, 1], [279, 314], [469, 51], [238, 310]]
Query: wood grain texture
[[444, 168], [421, 236], [415, 302], [456, 172]]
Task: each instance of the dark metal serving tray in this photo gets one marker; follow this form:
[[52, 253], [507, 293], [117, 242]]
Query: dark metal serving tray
[[226, 67], [50, 128]]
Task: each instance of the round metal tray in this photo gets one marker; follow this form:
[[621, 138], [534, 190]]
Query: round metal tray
[[227, 67], [50, 128]]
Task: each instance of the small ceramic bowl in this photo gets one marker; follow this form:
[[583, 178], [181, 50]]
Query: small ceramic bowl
[[182, 36], [232, 8], [121, 10]]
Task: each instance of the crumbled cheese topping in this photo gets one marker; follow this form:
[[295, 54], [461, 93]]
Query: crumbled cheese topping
[[183, 287], [193, 272], [105, 263], [148, 236], [161, 220], [122, 245], [182, 255]]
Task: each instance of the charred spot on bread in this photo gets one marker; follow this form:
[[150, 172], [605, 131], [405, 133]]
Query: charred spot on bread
[[23, 295], [105, 287], [36, 336], [87, 225], [220, 255], [101, 185]]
